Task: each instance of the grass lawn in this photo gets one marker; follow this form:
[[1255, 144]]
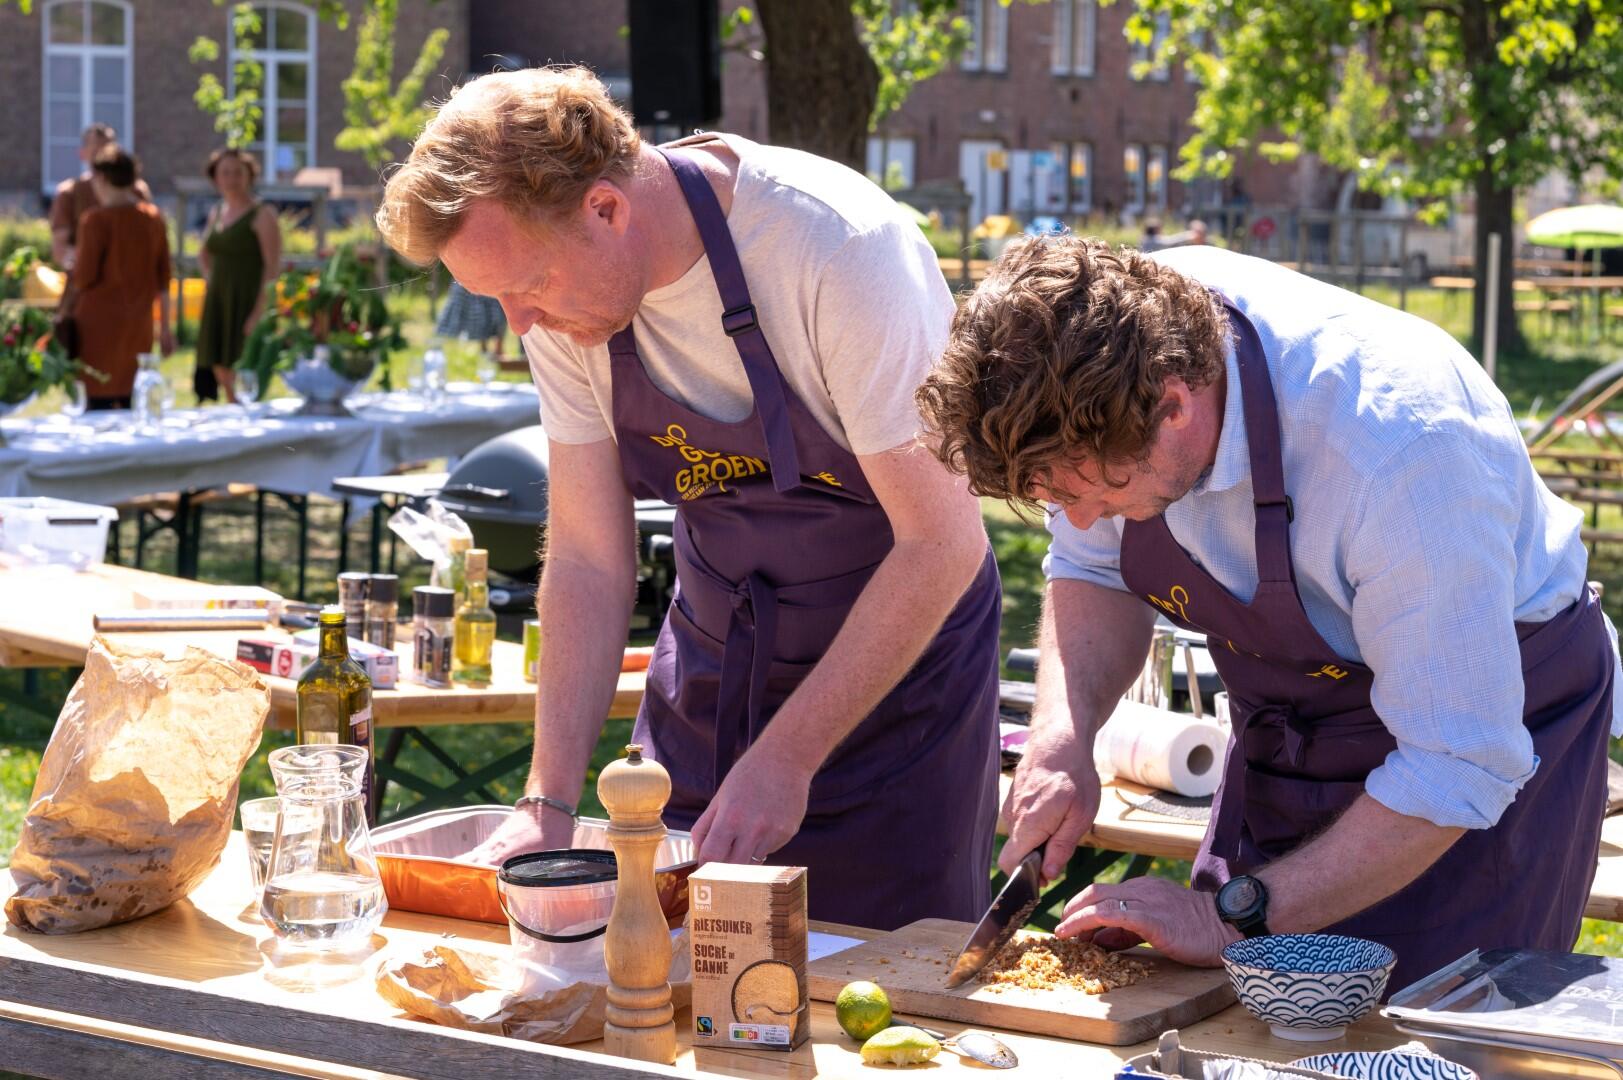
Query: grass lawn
[[1541, 378]]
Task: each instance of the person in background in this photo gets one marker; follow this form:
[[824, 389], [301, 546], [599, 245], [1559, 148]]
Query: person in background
[[121, 268], [1153, 240], [242, 252], [478, 318], [1196, 233], [77, 195]]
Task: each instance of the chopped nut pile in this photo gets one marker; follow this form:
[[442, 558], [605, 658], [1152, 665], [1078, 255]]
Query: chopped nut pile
[[1041, 962]]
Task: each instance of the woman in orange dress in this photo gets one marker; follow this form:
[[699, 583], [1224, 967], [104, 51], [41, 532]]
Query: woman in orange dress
[[121, 268]]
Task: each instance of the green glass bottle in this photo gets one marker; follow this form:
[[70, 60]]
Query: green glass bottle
[[475, 622], [335, 698]]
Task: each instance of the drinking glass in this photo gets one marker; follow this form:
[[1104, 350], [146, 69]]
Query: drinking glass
[[78, 401], [259, 822], [247, 390], [486, 369]]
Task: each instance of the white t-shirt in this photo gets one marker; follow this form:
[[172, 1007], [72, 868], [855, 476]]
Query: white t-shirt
[[847, 290]]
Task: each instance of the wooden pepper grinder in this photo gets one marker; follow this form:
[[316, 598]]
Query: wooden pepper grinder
[[637, 948]]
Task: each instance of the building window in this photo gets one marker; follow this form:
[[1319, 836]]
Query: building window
[[988, 48], [285, 47], [1143, 54], [890, 161], [1075, 25], [87, 79], [1155, 176], [1132, 165], [1082, 178]]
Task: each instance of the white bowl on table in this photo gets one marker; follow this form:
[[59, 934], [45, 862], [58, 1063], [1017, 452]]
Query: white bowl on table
[[1308, 987]]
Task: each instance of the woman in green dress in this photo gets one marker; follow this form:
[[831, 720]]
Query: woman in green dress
[[242, 253]]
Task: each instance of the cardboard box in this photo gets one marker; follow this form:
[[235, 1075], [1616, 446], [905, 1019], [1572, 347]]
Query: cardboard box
[[747, 928], [288, 659], [194, 596]]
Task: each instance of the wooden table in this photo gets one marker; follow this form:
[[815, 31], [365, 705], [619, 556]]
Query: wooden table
[[1119, 828], [198, 990], [45, 621]]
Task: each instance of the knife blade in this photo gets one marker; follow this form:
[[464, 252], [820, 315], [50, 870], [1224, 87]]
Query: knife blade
[[1008, 913]]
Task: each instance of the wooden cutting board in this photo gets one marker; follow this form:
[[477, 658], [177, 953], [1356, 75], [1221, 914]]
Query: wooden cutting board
[[912, 965]]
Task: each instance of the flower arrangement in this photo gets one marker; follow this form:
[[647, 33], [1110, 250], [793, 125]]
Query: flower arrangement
[[338, 307], [31, 361]]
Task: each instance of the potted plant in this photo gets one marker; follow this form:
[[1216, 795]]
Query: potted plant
[[326, 333], [31, 360]]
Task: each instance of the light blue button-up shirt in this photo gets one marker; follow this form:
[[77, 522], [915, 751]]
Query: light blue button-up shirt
[[1421, 534]]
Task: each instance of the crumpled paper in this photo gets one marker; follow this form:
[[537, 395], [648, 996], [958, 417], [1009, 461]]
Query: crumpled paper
[[135, 795], [499, 995]]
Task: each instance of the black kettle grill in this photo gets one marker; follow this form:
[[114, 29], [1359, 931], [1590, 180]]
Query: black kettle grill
[[500, 489]]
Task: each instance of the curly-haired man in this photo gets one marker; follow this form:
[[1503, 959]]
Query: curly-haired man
[[1420, 682]]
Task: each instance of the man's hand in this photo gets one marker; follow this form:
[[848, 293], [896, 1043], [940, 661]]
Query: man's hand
[[1055, 798], [1181, 923], [758, 809], [522, 832]]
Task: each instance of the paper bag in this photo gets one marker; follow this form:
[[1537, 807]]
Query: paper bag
[[496, 993], [135, 795]]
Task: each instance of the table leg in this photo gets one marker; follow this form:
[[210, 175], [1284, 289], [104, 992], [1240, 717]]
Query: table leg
[[377, 536], [259, 537], [456, 794]]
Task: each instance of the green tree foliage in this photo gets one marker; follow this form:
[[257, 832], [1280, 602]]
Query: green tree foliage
[[237, 114], [910, 41], [1424, 98], [380, 115]]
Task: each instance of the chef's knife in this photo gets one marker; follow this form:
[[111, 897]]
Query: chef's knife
[[1008, 913]]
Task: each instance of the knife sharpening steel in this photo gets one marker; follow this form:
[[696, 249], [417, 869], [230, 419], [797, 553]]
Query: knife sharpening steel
[[637, 948]]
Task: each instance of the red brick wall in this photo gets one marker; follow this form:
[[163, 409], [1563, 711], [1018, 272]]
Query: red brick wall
[[169, 133]]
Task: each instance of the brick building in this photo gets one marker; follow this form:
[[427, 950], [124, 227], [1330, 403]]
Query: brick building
[[1042, 114]]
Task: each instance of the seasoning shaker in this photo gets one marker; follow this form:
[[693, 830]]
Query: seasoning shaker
[[352, 598], [433, 634], [382, 609]]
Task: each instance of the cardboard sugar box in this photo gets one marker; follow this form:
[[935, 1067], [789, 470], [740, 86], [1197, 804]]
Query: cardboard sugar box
[[747, 927]]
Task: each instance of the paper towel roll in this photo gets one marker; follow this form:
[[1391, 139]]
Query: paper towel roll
[[1161, 749]]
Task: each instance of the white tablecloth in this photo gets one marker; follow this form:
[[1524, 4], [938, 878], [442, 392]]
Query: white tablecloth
[[102, 458]]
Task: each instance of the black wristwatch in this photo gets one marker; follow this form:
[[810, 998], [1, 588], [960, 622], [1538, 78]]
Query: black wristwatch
[[1243, 904]]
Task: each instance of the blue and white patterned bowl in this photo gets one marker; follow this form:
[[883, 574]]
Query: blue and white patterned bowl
[[1386, 1066], [1308, 987]]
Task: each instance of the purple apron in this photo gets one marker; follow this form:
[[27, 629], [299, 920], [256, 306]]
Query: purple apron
[[1305, 736], [777, 532]]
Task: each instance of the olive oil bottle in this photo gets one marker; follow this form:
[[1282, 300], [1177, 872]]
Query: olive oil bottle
[[335, 698], [475, 622]]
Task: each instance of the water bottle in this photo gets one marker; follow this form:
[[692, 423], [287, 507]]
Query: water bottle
[[150, 394], [434, 373]]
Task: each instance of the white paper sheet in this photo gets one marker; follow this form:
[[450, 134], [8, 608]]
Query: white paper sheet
[[819, 945]]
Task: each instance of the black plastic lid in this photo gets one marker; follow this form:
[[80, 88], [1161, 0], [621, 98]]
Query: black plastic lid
[[383, 587], [433, 602], [567, 866]]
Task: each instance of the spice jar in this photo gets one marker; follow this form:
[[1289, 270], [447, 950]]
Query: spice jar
[[352, 598], [382, 609], [433, 634]]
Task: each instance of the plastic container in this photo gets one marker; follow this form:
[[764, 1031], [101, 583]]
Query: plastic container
[[55, 530], [423, 865], [558, 904]]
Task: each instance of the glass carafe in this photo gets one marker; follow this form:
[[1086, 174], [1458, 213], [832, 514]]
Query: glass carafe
[[149, 396], [322, 889]]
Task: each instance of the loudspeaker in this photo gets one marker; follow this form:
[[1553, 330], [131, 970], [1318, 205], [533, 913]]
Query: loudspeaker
[[675, 62]]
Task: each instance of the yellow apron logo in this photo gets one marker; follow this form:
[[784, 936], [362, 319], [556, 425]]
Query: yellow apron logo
[[706, 467], [1174, 606], [1331, 670]]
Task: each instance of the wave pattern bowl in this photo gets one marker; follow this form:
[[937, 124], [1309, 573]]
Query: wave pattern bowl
[[1390, 1065], [1308, 987]]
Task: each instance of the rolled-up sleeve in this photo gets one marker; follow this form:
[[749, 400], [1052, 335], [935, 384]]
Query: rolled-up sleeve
[[1091, 554], [1432, 562]]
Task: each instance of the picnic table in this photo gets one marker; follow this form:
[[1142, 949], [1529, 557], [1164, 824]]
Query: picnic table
[[45, 621], [200, 990]]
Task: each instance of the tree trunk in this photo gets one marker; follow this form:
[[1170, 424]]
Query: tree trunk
[[1495, 207], [821, 83]]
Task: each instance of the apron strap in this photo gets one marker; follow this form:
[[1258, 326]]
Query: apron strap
[[746, 662], [739, 321], [1263, 444]]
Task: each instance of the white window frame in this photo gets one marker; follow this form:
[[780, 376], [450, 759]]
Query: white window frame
[[1081, 180], [1162, 71], [1076, 28], [269, 58], [85, 53], [981, 15], [1155, 161], [885, 149], [1132, 164]]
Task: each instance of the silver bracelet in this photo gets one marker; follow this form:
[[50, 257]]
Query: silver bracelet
[[547, 800]]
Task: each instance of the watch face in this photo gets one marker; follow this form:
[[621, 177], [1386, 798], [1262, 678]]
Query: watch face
[[1239, 896]]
